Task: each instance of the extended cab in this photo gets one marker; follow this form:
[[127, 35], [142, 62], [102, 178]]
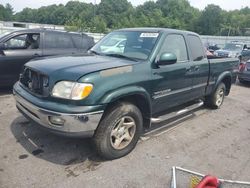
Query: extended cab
[[18, 47], [115, 96]]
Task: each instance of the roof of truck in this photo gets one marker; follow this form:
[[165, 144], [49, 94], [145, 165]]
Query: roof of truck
[[156, 29]]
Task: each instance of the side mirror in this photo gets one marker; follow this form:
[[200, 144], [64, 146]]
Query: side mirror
[[167, 59]]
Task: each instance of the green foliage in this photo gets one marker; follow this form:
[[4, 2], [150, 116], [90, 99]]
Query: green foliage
[[6, 12], [115, 14], [210, 20]]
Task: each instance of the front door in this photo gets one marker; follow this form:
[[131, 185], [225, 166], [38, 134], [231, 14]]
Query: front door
[[17, 51], [172, 84]]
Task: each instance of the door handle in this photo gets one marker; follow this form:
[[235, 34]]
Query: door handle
[[196, 68]]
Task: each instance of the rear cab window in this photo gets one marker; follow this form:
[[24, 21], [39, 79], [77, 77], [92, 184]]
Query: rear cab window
[[196, 48]]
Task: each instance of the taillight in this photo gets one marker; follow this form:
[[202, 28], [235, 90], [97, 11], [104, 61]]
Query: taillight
[[242, 66]]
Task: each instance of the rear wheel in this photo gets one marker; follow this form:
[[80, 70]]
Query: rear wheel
[[118, 131], [215, 100]]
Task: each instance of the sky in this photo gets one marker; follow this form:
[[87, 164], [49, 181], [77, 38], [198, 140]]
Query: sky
[[18, 5]]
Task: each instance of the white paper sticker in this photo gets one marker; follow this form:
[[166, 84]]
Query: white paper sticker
[[149, 35]]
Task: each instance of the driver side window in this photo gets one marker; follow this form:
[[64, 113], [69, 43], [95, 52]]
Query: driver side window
[[24, 41], [175, 43]]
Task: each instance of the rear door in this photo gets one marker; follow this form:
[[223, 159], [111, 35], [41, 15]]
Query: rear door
[[58, 43], [18, 50], [200, 68], [172, 84]]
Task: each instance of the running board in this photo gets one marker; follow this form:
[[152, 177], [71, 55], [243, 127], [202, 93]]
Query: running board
[[177, 113]]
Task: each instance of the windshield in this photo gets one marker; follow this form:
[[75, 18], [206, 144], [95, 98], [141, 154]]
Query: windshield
[[233, 47], [131, 44]]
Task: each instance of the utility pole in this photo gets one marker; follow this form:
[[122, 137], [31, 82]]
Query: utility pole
[[94, 8]]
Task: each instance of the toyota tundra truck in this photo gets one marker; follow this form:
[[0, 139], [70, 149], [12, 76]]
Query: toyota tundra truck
[[114, 96]]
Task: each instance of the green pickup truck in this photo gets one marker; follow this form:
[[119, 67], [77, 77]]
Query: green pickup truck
[[114, 96]]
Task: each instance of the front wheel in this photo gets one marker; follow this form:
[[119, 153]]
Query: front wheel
[[215, 100], [118, 131]]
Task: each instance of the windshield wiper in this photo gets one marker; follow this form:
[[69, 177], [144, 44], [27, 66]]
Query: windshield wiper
[[121, 56]]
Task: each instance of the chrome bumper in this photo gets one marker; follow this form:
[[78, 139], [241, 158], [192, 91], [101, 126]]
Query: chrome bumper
[[82, 125]]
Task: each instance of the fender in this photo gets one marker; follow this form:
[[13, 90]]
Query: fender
[[221, 77], [115, 95], [123, 92]]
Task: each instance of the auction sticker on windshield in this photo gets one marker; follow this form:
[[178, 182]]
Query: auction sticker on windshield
[[149, 35]]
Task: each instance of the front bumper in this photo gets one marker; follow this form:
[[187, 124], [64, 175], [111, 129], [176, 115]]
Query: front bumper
[[75, 124]]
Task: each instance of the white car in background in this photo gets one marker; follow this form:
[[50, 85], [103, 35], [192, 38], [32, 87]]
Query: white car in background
[[114, 46]]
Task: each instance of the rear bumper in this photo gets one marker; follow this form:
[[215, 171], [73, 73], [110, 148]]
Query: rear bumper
[[74, 124]]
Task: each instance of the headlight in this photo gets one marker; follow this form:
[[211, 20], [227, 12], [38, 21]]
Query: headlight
[[72, 90], [216, 53]]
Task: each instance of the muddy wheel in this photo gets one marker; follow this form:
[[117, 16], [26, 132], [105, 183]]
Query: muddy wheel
[[118, 131], [216, 99]]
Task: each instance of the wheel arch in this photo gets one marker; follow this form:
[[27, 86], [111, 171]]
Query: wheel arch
[[226, 78], [135, 95]]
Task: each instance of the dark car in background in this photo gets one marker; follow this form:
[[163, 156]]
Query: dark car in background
[[244, 67], [211, 47], [19, 47]]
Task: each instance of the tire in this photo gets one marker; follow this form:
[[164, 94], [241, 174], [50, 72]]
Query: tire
[[242, 81], [215, 100], [113, 129]]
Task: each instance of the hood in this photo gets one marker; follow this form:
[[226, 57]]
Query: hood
[[74, 67]]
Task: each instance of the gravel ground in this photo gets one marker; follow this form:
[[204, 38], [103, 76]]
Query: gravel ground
[[210, 142]]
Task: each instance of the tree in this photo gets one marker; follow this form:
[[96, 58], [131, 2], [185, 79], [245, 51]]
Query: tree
[[6, 12], [98, 25], [211, 20], [111, 10], [114, 14]]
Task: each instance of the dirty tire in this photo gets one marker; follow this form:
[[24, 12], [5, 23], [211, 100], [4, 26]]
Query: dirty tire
[[111, 131], [215, 100]]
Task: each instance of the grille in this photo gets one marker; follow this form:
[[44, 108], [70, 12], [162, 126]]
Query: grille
[[34, 81]]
